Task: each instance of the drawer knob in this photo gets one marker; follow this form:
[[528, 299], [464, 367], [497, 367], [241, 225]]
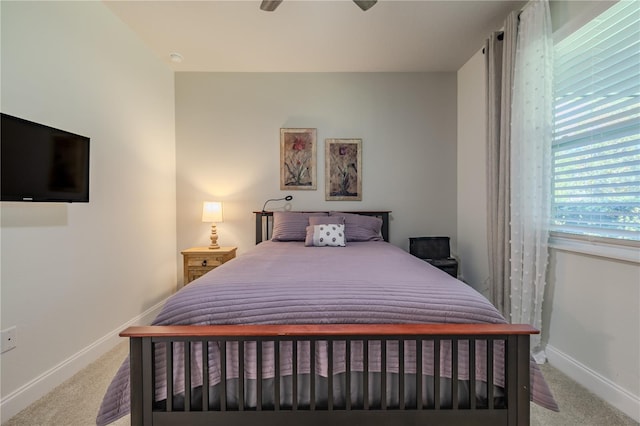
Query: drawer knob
[[204, 262]]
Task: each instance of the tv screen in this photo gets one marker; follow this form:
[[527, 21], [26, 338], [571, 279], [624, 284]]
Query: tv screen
[[40, 163]]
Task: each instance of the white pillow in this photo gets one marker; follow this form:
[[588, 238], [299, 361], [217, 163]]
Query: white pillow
[[325, 235]]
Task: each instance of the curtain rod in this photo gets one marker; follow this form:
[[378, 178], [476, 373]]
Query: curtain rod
[[501, 33], [500, 37]]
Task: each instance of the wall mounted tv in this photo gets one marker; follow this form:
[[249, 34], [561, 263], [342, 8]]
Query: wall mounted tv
[[40, 163]]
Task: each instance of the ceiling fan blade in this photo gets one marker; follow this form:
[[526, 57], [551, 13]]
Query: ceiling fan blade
[[365, 4], [270, 5]]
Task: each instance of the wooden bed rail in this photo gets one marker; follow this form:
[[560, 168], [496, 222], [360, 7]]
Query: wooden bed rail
[[515, 337], [309, 330]]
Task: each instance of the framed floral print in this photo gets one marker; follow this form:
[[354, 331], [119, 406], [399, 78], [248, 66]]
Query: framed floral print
[[298, 159], [343, 169]]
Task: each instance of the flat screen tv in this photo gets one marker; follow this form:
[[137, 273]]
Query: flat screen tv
[[42, 164]]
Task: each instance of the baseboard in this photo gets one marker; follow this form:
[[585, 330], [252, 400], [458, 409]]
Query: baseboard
[[27, 394], [604, 388]]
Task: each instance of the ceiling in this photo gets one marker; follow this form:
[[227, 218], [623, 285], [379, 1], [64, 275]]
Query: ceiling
[[314, 35]]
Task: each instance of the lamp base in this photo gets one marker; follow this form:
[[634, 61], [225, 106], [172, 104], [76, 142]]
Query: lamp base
[[214, 238]]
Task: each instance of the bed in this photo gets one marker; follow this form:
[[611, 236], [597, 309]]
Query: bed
[[355, 333]]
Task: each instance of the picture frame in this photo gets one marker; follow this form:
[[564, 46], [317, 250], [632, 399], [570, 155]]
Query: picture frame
[[298, 159], [343, 169]]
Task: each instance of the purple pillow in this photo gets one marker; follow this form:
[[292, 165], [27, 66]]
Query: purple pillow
[[320, 220], [324, 220], [359, 227], [291, 226]]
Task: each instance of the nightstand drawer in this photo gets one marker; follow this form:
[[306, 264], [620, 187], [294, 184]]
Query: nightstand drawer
[[194, 273], [204, 261]]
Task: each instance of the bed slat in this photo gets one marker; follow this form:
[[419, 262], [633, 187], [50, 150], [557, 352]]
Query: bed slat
[[419, 343], [276, 380], [259, 375], [347, 378], [365, 374], [472, 374], [205, 376], [187, 376], [490, 343], [312, 376], [294, 376], [330, 375], [241, 376], [169, 373], [383, 374], [454, 374], [401, 374], [223, 375], [436, 374]]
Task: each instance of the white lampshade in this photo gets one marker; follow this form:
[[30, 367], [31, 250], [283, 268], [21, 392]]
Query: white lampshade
[[212, 211]]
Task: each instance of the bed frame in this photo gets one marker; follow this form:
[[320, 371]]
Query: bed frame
[[187, 409]]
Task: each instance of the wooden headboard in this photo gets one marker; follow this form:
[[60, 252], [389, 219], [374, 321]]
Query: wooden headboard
[[264, 223]]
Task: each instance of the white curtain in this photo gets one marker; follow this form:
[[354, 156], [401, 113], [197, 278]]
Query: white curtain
[[531, 133]]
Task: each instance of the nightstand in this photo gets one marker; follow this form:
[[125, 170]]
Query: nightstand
[[200, 260], [434, 250]]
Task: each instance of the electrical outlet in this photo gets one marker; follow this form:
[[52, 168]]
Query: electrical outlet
[[8, 339]]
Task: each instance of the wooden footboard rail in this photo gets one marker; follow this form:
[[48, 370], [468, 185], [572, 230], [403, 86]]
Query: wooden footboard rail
[[514, 411]]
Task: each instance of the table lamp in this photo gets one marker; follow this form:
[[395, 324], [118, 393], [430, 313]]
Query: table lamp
[[212, 212]]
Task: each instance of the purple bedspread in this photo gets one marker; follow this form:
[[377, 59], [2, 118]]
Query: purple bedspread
[[287, 283]]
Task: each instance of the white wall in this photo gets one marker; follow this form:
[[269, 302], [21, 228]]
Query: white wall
[[591, 316], [594, 329], [228, 149], [74, 274], [472, 182]]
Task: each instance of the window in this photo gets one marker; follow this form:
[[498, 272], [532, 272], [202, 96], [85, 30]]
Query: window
[[596, 145]]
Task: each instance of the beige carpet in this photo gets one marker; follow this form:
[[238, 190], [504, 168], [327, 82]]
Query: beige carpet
[[60, 407]]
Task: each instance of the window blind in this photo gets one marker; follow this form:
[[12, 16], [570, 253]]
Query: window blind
[[596, 144]]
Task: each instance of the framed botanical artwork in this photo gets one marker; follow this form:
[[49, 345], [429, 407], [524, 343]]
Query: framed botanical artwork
[[343, 169], [298, 159]]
